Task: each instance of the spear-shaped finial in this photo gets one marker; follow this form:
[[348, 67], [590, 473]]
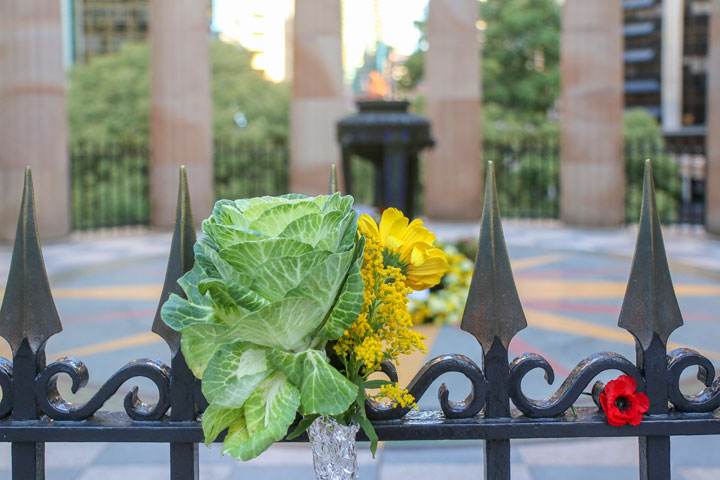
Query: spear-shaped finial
[[333, 179], [650, 306], [28, 311], [180, 261], [493, 308]]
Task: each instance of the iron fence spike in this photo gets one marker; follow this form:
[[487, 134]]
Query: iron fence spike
[[180, 261], [650, 306], [493, 308], [333, 180], [28, 310]]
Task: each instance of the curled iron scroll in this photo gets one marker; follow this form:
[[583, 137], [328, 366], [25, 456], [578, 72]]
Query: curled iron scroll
[[571, 388], [706, 400], [6, 371], [433, 369], [56, 407]]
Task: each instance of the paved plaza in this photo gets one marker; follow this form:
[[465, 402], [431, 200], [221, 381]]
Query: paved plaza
[[571, 283]]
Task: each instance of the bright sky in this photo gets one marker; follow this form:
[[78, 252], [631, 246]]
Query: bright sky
[[260, 25]]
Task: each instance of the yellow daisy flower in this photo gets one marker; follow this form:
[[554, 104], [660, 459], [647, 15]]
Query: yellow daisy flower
[[408, 246]]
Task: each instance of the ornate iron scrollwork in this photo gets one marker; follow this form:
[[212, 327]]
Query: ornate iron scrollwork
[[706, 400], [6, 371], [572, 387], [430, 372], [56, 407]]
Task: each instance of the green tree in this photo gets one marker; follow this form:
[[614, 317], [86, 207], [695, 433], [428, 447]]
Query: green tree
[[520, 58], [108, 99], [521, 54]]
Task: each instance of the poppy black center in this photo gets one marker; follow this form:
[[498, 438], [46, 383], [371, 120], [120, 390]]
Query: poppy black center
[[623, 403]]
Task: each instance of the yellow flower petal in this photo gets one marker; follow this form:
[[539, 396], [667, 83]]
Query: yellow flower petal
[[393, 243], [368, 227], [394, 223]]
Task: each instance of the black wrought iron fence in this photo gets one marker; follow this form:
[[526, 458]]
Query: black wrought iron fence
[[528, 179], [33, 412], [680, 172], [110, 185], [245, 170]]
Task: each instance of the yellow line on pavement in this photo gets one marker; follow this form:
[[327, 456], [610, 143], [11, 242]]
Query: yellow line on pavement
[[125, 292], [545, 289], [525, 263], [559, 323], [121, 343]]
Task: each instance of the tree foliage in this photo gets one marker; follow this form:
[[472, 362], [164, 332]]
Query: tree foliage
[[520, 56], [109, 98]]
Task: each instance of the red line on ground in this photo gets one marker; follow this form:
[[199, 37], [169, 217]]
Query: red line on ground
[[519, 346]]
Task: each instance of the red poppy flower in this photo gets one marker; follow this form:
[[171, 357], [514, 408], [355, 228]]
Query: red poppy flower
[[622, 404]]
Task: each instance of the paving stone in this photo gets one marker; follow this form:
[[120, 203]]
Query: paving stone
[[436, 453], [134, 454], [618, 452], [71, 455], [699, 473], [63, 473], [584, 473], [436, 471], [149, 472], [245, 472]]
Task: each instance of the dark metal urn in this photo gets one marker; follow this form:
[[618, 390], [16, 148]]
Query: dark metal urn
[[384, 133]]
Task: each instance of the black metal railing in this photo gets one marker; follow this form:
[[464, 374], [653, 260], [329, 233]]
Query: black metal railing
[[680, 172], [528, 179], [110, 185], [245, 170], [35, 412]]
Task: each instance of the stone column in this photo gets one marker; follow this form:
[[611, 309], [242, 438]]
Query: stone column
[[592, 166], [317, 95], [181, 123], [712, 212], [453, 168], [33, 118]]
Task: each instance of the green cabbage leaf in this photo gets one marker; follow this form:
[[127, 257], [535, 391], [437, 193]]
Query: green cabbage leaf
[[274, 279]]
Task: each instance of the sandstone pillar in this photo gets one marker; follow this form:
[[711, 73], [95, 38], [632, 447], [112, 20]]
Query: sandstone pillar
[[33, 119], [713, 124], [317, 95], [181, 124], [592, 166], [453, 168]]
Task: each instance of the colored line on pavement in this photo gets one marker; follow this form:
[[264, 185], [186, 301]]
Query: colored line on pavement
[[558, 289], [559, 323], [122, 343], [574, 272], [124, 292], [605, 309], [518, 346], [530, 262], [109, 316]]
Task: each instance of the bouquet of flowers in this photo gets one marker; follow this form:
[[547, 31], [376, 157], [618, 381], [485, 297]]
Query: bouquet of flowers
[[293, 301]]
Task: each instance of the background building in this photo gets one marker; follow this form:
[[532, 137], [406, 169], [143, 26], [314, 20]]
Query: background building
[[102, 26], [666, 49]]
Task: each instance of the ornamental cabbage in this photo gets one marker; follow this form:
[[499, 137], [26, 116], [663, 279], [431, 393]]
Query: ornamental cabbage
[[274, 279]]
